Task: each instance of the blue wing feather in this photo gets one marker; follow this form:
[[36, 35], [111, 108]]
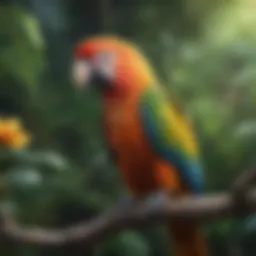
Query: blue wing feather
[[153, 123]]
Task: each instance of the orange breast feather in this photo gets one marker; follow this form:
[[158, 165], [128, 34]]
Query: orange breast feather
[[142, 170]]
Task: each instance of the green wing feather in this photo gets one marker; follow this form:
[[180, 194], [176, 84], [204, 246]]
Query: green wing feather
[[170, 136]]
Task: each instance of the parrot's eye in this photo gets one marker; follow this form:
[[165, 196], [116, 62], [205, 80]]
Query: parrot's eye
[[104, 58], [104, 63]]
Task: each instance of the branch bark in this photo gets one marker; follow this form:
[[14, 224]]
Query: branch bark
[[208, 207]]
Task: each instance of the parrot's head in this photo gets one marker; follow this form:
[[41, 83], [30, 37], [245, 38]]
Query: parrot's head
[[110, 64]]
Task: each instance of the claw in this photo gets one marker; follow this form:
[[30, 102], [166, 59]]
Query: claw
[[158, 199], [126, 203]]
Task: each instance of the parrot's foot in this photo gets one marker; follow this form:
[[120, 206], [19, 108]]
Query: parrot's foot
[[126, 203], [157, 199]]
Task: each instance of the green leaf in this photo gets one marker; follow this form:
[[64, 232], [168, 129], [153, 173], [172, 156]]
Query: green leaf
[[22, 47], [49, 160], [23, 178], [126, 244]]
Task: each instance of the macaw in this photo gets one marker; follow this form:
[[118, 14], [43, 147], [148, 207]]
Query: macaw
[[154, 146]]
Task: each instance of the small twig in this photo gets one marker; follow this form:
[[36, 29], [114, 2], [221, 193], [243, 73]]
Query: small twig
[[246, 180], [203, 208], [242, 185]]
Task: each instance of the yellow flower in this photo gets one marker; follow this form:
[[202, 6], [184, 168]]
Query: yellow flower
[[12, 134]]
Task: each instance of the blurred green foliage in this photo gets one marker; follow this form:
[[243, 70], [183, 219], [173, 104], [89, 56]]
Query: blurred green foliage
[[205, 53]]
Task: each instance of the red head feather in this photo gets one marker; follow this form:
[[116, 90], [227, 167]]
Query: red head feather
[[132, 69]]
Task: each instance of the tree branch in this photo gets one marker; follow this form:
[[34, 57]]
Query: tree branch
[[204, 208]]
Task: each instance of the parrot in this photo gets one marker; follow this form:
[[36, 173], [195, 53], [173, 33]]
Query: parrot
[[152, 141]]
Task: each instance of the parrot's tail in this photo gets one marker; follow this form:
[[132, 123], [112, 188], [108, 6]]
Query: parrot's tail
[[188, 239]]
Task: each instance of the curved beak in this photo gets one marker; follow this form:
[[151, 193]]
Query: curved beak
[[81, 74]]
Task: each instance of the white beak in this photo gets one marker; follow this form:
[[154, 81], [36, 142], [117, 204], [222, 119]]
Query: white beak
[[81, 74]]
